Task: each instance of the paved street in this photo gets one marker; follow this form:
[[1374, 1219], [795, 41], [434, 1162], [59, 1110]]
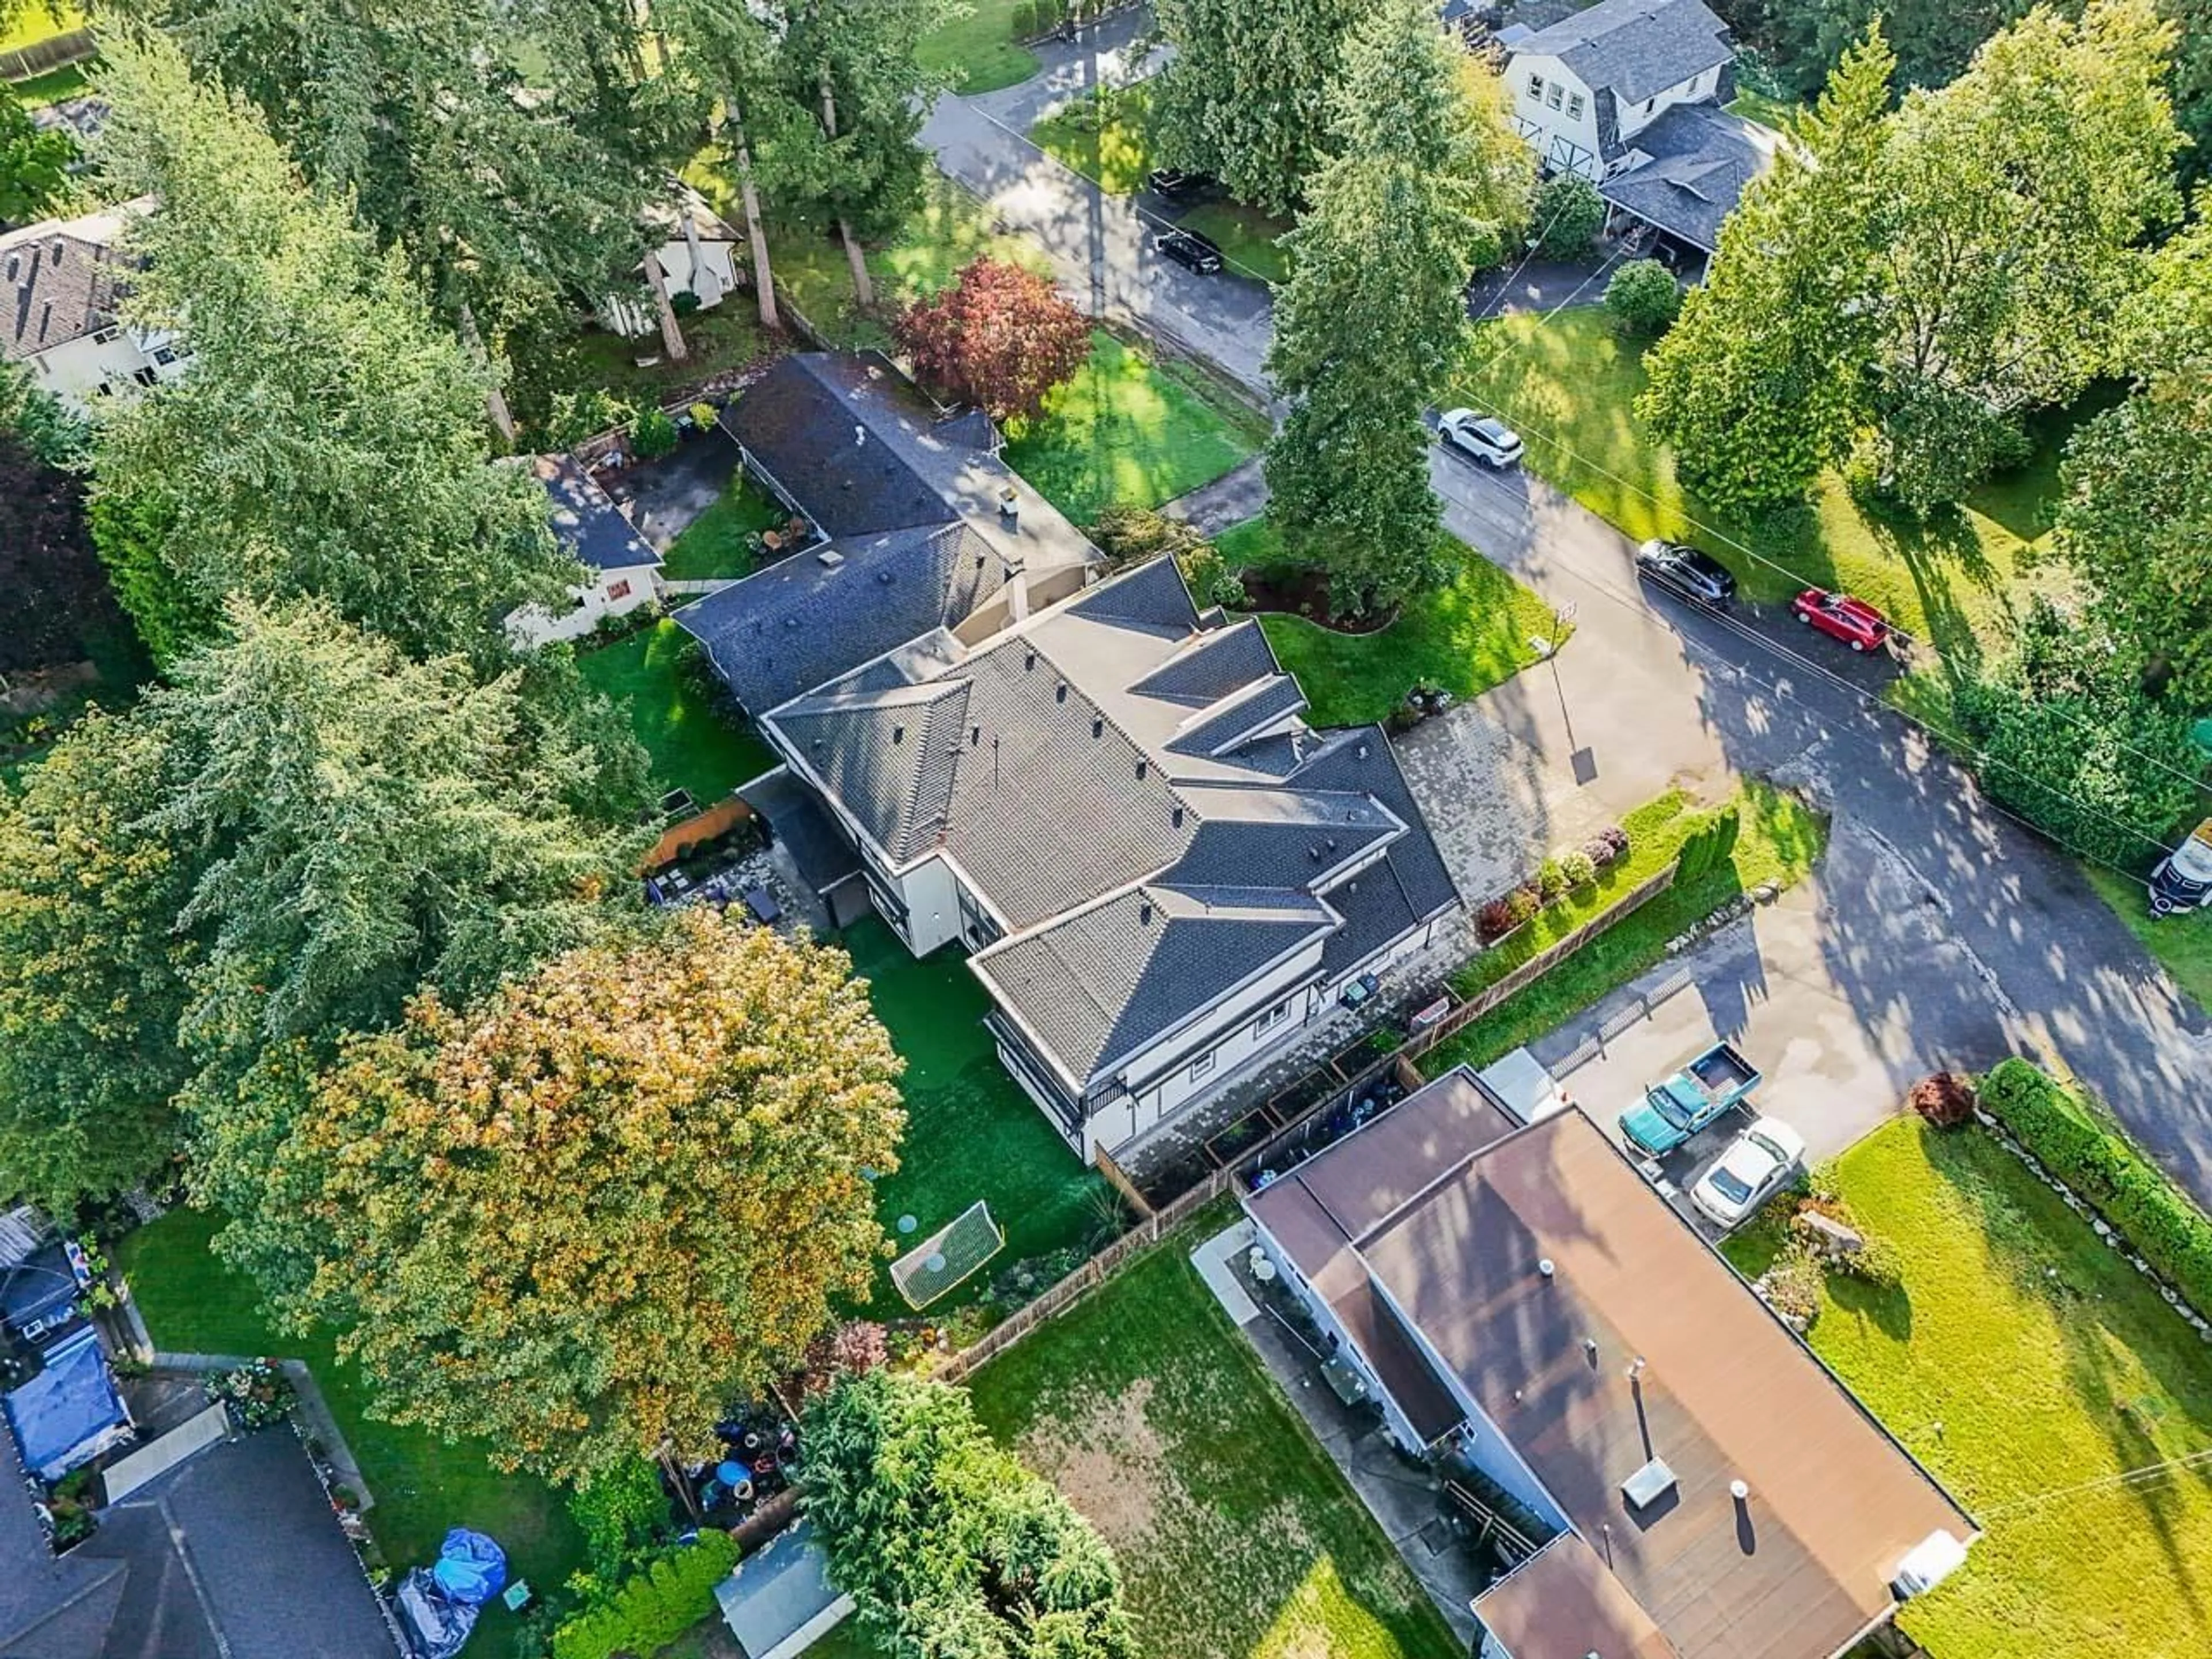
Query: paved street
[[1649, 693]]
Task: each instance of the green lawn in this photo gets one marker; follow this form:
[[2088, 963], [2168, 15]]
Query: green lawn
[[1236, 1538], [1128, 431], [2022, 1360], [1780, 842], [977, 48], [1466, 636], [970, 1133], [2183, 944], [421, 1485], [557, 356], [693, 747], [68, 81], [720, 541], [1780, 114], [1108, 141], [39, 20], [1248, 239], [1568, 384]]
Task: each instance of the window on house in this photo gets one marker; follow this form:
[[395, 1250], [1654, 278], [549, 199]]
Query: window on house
[[165, 354], [1202, 1067], [1272, 1018], [145, 376], [619, 590], [1536, 88], [1575, 107], [1555, 98]]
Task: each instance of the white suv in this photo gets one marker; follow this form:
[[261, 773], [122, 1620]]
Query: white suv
[[1481, 436]]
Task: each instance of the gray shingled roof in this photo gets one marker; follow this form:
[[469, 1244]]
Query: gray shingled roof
[[1359, 761], [1702, 158], [797, 423], [805, 620], [1216, 665], [1107, 980], [1637, 48], [585, 521], [60, 281], [889, 755], [1240, 718]]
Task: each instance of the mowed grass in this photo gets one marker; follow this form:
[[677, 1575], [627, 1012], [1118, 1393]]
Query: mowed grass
[[1236, 1538], [2026, 1363], [54, 87], [970, 1133], [692, 746], [1780, 841], [39, 19], [976, 50], [720, 541], [1248, 239], [1568, 384], [1105, 137], [1780, 114], [421, 1485], [2183, 944], [1128, 431], [1470, 634]]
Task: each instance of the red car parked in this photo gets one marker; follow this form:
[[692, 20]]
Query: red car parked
[[1839, 616]]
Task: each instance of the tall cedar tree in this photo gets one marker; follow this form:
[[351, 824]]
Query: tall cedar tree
[[1374, 318], [1000, 336], [508, 192], [93, 969], [2135, 517], [328, 439], [580, 1219], [1252, 94], [1758, 385], [2014, 203], [946, 1544], [34, 163]]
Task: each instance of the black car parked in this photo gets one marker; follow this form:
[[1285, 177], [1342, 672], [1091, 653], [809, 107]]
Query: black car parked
[[1175, 184], [1189, 249], [1686, 572]]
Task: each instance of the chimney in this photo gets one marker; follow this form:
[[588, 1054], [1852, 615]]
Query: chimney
[[1018, 591]]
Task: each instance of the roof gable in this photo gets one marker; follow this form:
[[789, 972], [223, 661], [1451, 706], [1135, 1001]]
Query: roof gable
[[1636, 49], [889, 755], [816, 441]]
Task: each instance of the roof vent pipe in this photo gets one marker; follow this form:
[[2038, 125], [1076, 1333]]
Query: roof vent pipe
[[1145, 913], [1739, 1490], [1547, 1266]]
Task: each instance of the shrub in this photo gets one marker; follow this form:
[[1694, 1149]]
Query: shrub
[[651, 434], [684, 303], [573, 417], [1023, 23], [1551, 881], [257, 1393], [1793, 1282], [1521, 903], [851, 1350], [1643, 296], [650, 1610], [1211, 578], [622, 1514], [1946, 1099], [2105, 1171], [1579, 867], [1567, 212], [1495, 920], [1131, 535], [1609, 847], [1486, 248], [1050, 15]]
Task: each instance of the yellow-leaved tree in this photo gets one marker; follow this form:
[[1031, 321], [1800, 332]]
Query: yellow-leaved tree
[[582, 1217]]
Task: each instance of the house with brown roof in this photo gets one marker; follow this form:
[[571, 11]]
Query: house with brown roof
[[61, 282], [1518, 1298]]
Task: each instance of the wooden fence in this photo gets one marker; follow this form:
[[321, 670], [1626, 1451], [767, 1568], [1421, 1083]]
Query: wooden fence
[[25, 61]]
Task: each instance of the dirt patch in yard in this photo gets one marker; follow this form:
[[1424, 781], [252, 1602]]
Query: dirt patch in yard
[[1108, 1462], [1306, 593]]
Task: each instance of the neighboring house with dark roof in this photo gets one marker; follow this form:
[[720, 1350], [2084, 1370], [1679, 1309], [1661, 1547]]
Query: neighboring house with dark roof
[[62, 283], [1112, 799], [1518, 1299], [620, 569], [1627, 92]]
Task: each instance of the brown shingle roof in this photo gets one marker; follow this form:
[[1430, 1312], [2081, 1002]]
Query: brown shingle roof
[[60, 281], [1726, 1392]]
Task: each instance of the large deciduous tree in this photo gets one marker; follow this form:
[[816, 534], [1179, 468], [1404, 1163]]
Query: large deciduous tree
[[2015, 200], [328, 439], [946, 1544], [1374, 318], [1252, 94], [581, 1218], [57, 594], [34, 163], [93, 969], [1758, 387], [999, 337]]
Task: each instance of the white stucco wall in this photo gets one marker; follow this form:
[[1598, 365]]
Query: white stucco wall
[[616, 593], [76, 370], [932, 906], [1565, 142]]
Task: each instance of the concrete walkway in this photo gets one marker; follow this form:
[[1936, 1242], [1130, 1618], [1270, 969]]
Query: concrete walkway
[[1236, 495]]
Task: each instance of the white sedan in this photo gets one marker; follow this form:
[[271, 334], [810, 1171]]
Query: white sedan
[[1742, 1178]]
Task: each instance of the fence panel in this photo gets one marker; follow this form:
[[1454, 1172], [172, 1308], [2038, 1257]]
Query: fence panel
[[37, 58]]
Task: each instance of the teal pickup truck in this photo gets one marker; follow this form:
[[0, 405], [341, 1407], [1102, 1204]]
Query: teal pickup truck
[[1692, 1100]]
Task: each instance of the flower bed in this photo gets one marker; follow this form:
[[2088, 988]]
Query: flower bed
[[1558, 875]]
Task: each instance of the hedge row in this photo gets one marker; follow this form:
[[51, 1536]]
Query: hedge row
[[653, 1608], [2105, 1170]]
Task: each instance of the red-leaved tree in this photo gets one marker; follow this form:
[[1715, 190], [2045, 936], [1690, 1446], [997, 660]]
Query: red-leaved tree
[[1000, 336]]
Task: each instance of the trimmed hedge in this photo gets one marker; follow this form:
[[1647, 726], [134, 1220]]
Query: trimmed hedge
[[651, 1608], [2133, 1194]]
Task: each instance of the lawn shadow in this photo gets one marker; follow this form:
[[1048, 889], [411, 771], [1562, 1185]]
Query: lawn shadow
[[1887, 1307], [1938, 552]]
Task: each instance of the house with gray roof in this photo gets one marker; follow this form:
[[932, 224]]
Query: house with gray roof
[[618, 570], [1628, 93], [1107, 797], [62, 283]]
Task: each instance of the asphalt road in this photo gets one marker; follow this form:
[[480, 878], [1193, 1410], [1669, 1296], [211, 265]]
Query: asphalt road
[[1650, 690]]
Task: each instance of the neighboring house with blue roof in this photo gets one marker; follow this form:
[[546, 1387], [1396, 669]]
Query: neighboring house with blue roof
[[1108, 797], [1628, 93], [619, 568]]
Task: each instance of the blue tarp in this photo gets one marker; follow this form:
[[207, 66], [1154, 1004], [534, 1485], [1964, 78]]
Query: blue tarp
[[470, 1568], [65, 1415]]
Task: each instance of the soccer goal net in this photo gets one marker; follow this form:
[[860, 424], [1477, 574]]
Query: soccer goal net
[[947, 1256]]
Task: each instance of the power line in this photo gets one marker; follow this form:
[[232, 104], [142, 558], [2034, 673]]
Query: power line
[[2127, 1480]]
